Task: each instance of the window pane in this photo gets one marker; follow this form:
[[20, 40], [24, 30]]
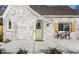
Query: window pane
[[38, 25], [9, 24], [66, 27], [60, 26]]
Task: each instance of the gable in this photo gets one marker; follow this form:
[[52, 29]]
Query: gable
[[28, 8]]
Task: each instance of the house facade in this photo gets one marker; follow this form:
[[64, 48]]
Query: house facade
[[37, 28]]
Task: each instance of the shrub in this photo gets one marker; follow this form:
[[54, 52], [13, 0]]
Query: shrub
[[3, 51], [22, 51], [54, 51]]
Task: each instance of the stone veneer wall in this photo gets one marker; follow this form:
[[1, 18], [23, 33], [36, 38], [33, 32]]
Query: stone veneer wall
[[66, 18], [23, 22], [23, 28]]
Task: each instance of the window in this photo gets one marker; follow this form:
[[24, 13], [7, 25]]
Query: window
[[66, 27], [38, 25], [60, 26], [63, 26], [9, 25]]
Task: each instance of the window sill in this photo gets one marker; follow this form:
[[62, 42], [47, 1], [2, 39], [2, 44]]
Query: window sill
[[9, 30]]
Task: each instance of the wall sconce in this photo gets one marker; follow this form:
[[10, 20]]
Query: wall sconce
[[47, 24]]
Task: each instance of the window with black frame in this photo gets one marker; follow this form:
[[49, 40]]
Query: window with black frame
[[66, 27], [63, 26], [60, 27], [9, 24], [38, 25]]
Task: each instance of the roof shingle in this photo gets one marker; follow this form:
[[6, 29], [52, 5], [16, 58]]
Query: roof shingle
[[55, 10]]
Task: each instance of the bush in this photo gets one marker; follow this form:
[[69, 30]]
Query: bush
[[22, 51], [3, 51], [54, 51]]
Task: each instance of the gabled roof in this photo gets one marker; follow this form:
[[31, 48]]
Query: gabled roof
[[54, 10]]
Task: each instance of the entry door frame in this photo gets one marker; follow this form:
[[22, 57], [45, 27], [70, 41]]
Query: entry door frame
[[35, 38]]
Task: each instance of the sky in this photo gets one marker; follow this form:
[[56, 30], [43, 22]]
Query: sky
[[73, 6]]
